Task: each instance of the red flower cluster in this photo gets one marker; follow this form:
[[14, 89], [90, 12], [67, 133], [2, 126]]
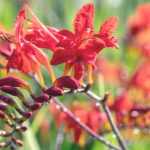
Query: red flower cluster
[[77, 49]]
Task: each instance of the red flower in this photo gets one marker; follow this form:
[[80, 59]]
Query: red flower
[[140, 20], [122, 106], [139, 29], [26, 57], [40, 35], [79, 48], [141, 78]]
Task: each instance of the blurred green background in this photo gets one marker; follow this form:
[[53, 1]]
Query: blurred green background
[[60, 13]]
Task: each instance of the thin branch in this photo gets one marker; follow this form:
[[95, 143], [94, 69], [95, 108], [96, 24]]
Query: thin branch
[[113, 125], [109, 116], [83, 126], [101, 100]]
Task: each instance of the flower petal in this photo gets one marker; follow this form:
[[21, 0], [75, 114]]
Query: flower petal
[[106, 30], [39, 55], [37, 24], [40, 38], [108, 26], [62, 56], [93, 44], [19, 24], [84, 19]]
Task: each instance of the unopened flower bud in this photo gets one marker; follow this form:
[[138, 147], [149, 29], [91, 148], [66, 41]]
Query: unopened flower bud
[[3, 107], [54, 91], [35, 106], [67, 82], [7, 100], [11, 90], [42, 98], [14, 82], [27, 114]]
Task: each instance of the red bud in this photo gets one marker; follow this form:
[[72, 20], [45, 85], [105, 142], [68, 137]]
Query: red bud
[[27, 114], [10, 90], [54, 91], [42, 98], [14, 82], [35, 106], [7, 100], [67, 82], [3, 107]]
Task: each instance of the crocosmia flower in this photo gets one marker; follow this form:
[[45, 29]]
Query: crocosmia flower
[[78, 49], [140, 20], [122, 106], [139, 29], [39, 34], [26, 56]]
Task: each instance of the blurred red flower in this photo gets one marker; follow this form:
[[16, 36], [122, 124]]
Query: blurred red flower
[[139, 29], [122, 106], [141, 78], [140, 20], [112, 72], [86, 113]]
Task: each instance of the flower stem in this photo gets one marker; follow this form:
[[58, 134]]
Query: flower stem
[[83, 126], [109, 116], [113, 125]]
